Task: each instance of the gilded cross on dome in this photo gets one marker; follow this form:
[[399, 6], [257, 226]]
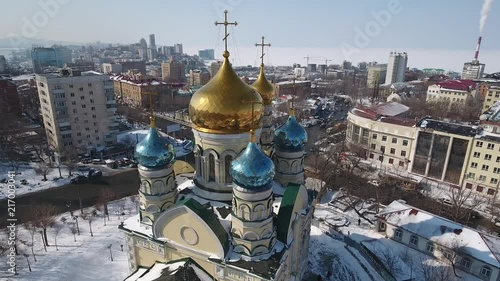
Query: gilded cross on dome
[[226, 23], [262, 45]]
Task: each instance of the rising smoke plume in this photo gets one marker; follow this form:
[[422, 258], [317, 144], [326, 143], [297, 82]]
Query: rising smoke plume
[[485, 11]]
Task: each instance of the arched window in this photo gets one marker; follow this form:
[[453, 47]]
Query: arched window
[[211, 167], [227, 165]]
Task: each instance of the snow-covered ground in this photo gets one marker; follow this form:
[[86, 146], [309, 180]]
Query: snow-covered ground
[[34, 181], [86, 259], [182, 147], [329, 258], [340, 220]]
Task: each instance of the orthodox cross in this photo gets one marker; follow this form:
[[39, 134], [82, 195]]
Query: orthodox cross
[[147, 91], [225, 23], [262, 45], [252, 125], [294, 93]]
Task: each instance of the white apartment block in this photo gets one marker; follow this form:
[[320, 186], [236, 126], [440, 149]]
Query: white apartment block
[[396, 68], [452, 91], [78, 110], [492, 96]]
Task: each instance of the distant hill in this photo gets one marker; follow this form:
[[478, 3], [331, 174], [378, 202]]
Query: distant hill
[[24, 42]]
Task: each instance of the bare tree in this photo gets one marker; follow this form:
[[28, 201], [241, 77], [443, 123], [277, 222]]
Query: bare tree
[[454, 255], [462, 199], [391, 261], [43, 218], [105, 196], [89, 217], [69, 157], [434, 272], [43, 169], [73, 230], [57, 227], [32, 231]]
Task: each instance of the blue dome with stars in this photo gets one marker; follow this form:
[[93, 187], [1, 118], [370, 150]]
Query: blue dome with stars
[[291, 135], [252, 170], [152, 151]]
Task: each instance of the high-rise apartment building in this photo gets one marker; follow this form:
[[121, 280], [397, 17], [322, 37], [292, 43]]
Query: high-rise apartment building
[[198, 77], [178, 49], [396, 68], [173, 71], [78, 110], [143, 49], [207, 54], [376, 75], [473, 70], [46, 58]]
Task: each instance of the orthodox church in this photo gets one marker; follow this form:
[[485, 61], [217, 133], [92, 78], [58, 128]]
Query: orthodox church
[[245, 214]]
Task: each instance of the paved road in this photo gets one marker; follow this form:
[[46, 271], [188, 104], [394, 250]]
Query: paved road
[[123, 184]]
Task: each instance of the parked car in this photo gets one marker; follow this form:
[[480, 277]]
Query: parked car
[[79, 180], [93, 174]]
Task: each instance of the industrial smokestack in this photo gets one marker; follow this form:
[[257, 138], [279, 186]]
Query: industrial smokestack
[[476, 54]]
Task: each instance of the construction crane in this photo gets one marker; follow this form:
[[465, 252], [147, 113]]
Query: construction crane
[[308, 58]]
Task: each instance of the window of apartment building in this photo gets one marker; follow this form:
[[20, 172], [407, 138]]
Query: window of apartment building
[[405, 142], [373, 146], [429, 247], [72, 94], [401, 163], [491, 146], [493, 181], [394, 140], [384, 138], [487, 157], [403, 153], [391, 161], [91, 101], [486, 271], [498, 159], [398, 234], [473, 165], [448, 255], [468, 185], [79, 141], [75, 111], [393, 151], [479, 144], [97, 131], [87, 129], [94, 116], [82, 97], [374, 136], [490, 191], [476, 154], [78, 134], [71, 86], [485, 167], [73, 102], [84, 106], [414, 240], [465, 263], [93, 108], [91, 93], [479, 188], [95, 124], [482, 178], [496, 170], [371, 155], [89, 84], [96, 138], [86, 121], [382, 148], [381, 226], [381, 158], [81, 89]]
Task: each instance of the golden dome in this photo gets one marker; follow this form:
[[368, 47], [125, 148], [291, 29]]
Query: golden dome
[[224, 104], [264, 87]]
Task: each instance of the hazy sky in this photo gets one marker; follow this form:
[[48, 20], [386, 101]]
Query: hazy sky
[[413, 24]]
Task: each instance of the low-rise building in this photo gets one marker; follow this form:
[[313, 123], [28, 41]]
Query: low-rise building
[[198, 77], [376, 75], [473, 252], [452, 90], [300, 88], [492, 96]]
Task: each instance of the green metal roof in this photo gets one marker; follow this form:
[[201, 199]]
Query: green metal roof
[[286, 211], [210, 219]]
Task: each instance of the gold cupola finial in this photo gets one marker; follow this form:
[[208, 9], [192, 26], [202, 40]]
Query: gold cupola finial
[[226, 23], [222, 106], [261, 85]]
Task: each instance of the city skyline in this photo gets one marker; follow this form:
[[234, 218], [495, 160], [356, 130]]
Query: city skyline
[[352, 31]]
